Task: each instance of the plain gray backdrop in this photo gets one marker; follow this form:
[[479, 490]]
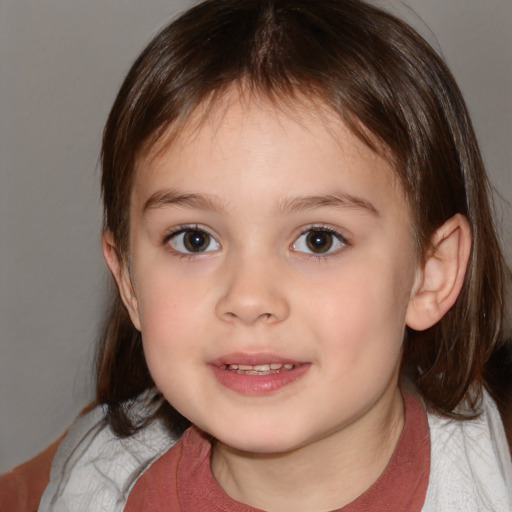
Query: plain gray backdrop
[[62, 62]]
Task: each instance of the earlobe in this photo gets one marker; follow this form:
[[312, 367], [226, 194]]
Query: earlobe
[[441, 277], [121, 275]]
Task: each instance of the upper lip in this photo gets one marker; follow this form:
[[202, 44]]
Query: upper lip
[[253, 359]]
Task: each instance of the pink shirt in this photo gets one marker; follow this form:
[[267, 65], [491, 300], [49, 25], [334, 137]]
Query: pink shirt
[[181, 480]]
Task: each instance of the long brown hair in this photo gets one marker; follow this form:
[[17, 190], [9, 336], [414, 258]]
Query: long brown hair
[[392, 90]]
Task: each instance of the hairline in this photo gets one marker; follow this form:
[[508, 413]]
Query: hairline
[[289, 101]]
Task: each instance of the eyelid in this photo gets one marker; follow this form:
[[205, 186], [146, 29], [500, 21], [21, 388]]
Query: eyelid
[[321, 228], [181, 229]]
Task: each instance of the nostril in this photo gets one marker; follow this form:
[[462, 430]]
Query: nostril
[[251, 301], [248, 318]]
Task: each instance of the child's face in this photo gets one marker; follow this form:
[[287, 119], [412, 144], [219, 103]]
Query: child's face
[[277, 242]]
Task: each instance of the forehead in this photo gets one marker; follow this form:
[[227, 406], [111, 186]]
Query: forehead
[[244, 138], [221, 108]]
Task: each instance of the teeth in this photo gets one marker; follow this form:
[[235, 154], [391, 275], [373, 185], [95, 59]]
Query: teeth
[[260, 367]]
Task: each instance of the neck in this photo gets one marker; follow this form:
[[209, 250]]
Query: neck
[[323, 475]]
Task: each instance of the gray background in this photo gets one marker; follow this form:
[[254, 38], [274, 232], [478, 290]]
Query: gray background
[[61, 64]]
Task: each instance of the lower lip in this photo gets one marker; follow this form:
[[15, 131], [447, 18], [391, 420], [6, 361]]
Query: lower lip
[[258, 385]]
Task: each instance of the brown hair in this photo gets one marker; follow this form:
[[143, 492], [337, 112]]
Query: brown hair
[[394, 92]]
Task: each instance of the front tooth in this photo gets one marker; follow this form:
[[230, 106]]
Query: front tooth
[[262, 367], [245, 367], [276, 366]]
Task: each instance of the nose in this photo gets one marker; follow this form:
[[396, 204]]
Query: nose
[[253, 293]]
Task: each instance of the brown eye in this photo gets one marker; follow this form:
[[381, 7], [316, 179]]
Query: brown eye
[[196, 241], [193, 241], [319, 241]]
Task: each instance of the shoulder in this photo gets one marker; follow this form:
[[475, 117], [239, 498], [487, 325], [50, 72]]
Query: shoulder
[[471, 468], [179, 480], [95, 470]]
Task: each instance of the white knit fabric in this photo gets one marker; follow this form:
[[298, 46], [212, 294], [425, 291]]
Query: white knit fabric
[[471, 468], [94, 471]]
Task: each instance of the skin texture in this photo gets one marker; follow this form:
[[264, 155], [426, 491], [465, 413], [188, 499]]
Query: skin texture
[[258, 180]]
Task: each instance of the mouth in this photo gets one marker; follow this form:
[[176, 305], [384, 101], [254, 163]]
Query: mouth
[[257, 374], [259, 369]]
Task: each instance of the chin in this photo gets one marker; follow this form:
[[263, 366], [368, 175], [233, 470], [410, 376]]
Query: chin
[[258, 441], [257, 448]]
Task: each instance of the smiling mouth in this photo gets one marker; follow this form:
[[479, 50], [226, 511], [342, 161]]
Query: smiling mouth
[[257, 375], [259, 369]]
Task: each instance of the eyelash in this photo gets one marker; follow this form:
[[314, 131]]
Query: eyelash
[[320, 229], [188, 228], [336, 235]]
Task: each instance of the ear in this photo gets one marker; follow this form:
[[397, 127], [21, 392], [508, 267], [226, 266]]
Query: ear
[[439, 281], [121, 274]]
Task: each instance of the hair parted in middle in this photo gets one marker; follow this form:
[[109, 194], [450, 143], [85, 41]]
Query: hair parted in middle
[[388, 86]]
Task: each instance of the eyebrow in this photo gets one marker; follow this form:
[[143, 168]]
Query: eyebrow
[[339, 199], [175, 198], [208, 202]]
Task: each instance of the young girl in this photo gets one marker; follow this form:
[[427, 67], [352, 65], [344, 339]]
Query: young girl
[[309, 281]]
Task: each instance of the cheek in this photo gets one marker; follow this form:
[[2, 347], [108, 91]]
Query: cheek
[[362, 318], [166, 294], [169, 311], [170, 337]]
